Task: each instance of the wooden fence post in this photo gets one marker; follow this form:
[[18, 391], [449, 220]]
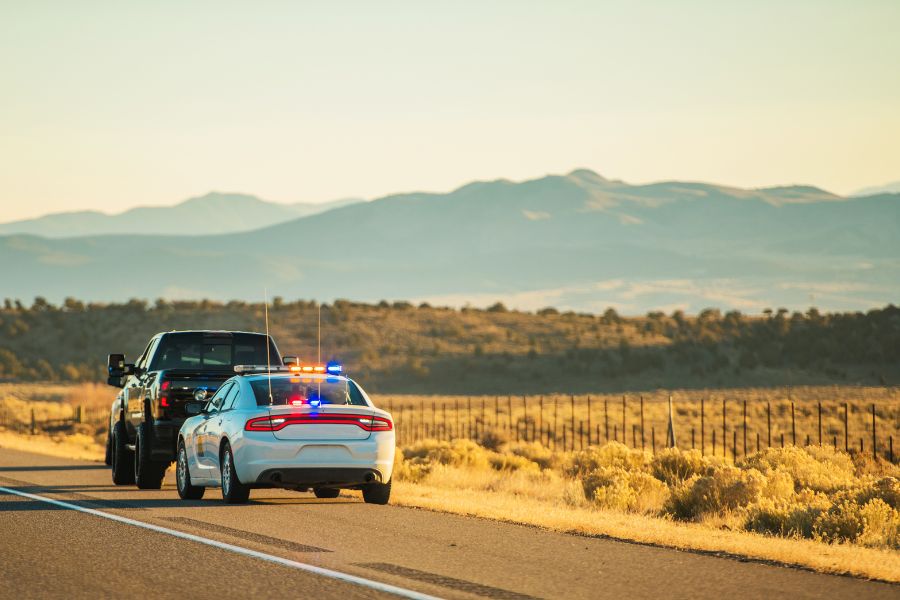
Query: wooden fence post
[[573, 422], [605, 419], [653, 439], [724, 430], [702, 425], [793, 426], [846, 430], [589, 422], [624, 439], [768, 424], [642, 421], [820, 422], [32, 422], [874, 444], [734, 446], [744, 418]]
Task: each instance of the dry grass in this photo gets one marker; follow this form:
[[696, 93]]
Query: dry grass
[[76, 446], [812, 507], [556, 515]]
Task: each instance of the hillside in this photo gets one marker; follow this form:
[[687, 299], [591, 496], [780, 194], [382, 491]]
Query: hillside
[[210, 214], [578, 241], [402, 348]]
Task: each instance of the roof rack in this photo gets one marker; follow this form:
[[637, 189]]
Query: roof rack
[[255, 369]]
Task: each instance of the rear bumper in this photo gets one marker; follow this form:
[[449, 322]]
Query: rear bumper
[[321, 476], [262, 460]]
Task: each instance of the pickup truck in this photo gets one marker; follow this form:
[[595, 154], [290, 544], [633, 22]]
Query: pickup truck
[[177, 369]]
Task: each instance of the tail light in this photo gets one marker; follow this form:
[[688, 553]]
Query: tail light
[[364, 422], [163, 393]]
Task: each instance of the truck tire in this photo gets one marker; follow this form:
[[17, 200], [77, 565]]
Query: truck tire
[[108, 458], [122, 459], [233, 491], [377, 493], [326, 492], [148, 473], [186, 490]]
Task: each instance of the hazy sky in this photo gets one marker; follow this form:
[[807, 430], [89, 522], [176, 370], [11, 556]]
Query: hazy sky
[[106, 105]]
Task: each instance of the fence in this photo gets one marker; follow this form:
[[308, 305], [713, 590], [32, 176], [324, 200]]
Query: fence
[[721, 426], [63, 417]]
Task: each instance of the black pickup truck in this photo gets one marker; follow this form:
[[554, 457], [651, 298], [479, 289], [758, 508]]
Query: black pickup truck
[[176, 368]]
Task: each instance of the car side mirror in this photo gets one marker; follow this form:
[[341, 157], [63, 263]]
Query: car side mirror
[[193, 408]]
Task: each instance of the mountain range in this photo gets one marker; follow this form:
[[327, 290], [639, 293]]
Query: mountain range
[[215, 212], [577, 241]]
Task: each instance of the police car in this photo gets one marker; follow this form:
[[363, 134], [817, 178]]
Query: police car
[[294, 427]]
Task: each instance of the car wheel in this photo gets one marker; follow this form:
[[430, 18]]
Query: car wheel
[[233, 491], [186, 490], [377, 493], [108, 458], [122, 458], [148, 473], [326, 492]]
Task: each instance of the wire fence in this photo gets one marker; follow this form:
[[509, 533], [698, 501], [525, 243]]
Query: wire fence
[[731, 428]]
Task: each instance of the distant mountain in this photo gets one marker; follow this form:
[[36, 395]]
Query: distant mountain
[[577, 241], [888, 188], [213, 213]]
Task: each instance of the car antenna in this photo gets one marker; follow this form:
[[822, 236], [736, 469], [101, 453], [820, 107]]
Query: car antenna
[[268, 344]]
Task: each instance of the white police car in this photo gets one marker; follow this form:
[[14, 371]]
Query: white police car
[[295, 427]]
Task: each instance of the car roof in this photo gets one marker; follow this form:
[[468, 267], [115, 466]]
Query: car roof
[[213, 331]]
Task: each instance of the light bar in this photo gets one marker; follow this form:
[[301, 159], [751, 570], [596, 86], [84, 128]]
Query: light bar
[[331, 368]]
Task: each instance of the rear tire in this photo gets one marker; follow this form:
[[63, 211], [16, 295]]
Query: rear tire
[[122, 457], [377, 493], [233, 491], [326, 492], [148, 473], [186, 490]]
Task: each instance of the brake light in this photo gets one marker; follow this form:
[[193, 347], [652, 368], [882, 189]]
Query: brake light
[[365, 423], [163, 396]]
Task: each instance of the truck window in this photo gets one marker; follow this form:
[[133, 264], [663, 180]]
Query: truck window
[[212, 351]]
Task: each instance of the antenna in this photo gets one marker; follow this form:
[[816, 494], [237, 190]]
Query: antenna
[[319, 334], [268, 343]]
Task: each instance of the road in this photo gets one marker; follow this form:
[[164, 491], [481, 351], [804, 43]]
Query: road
[[288, 544]]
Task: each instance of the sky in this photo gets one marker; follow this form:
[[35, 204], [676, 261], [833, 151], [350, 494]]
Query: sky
[[109, 105]]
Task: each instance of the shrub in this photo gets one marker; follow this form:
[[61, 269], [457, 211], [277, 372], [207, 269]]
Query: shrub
[[789, 519], [493, 439], [843, 522], [457, 453], [537, 453], [673, 466], [818, 468], [725, 489], [511, 462], [616, 488], [611, 454]]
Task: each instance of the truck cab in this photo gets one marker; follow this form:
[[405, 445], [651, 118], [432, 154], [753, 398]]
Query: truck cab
[[177, 369]]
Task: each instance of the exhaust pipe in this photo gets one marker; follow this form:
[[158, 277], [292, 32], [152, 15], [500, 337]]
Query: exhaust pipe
[[370, 477]]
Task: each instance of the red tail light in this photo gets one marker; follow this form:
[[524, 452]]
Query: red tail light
[[163, 396], [276, 423]]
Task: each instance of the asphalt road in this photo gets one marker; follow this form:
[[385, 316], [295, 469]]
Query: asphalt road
[[265, 549]]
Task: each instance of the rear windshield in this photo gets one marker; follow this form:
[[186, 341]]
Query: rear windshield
[[211, 351], [298, 391]]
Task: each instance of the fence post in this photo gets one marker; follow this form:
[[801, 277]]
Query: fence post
[[744, 418], [642, 421], [846, 431], [692, 438], [634, 435], [793, 426], [616, 432], [724, 430], [768, 424], [509, 408], [874, 444], [469, 419], [714, 442], [891, 449], [820, 423], [782, 439], [483, 414], [624, 439], [670, 432], [497, 412], [32, 422], [555, 419], [653, 439], [589, 422], [757, 441], [573, 421], [702, 425], [605, 420], [734, 446]]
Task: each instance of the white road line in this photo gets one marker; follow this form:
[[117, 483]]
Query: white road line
[[374, 585]]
